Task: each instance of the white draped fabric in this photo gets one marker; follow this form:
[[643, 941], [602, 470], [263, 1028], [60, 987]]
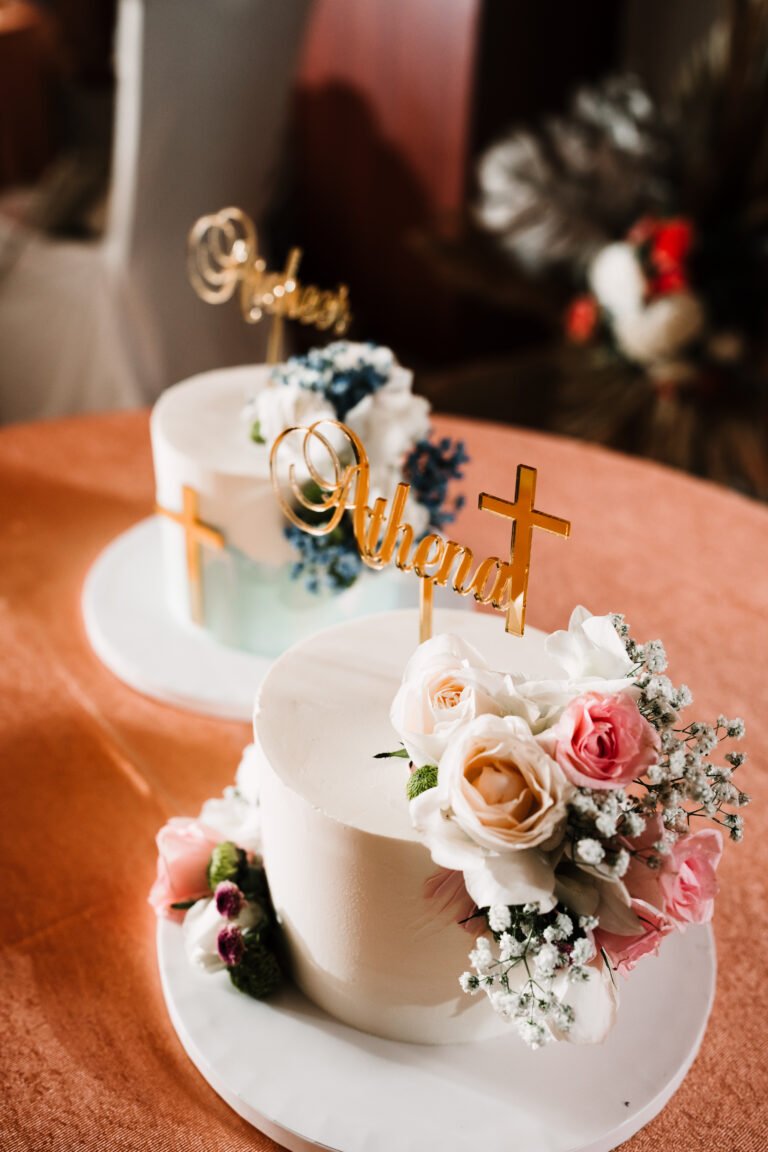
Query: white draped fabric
[[202, 102]]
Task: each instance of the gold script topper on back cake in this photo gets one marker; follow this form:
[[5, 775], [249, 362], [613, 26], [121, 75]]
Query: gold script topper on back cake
[[223, 253], [322, 485]]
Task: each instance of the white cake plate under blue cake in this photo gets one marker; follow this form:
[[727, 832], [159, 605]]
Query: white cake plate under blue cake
[[134, 633], [310, 1082]]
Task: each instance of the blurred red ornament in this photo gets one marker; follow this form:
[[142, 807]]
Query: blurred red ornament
[[581, 319]]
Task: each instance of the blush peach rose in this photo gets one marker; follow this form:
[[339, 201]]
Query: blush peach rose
[[498, 808], [184, 850], [603, 741]]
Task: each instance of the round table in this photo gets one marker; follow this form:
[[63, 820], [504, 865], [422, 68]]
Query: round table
[[91, 770]]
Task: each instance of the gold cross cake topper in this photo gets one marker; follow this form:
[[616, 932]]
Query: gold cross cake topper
[[197, 534], [223, 253], [382, 535]]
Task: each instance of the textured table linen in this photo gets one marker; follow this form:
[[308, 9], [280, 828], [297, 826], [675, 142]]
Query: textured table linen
[[88, 1057]]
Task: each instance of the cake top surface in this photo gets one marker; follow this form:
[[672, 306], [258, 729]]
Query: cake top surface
[[205, 418], [323, 710]]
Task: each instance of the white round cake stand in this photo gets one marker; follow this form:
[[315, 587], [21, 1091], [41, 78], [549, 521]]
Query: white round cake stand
[[134, 634], [310, 1082]]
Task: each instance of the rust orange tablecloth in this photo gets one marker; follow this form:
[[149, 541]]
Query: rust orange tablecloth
[[90, 770]]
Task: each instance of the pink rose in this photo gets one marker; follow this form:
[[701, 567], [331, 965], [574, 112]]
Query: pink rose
[[603, 741], [184, 848], [687, 877], [625, 951]]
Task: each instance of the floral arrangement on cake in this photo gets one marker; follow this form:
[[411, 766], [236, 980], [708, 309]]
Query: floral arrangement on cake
[[584, 813], [362, 386], [210, 877]]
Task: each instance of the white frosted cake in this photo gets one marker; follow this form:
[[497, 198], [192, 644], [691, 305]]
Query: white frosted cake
[[208, 448], [372, 933]]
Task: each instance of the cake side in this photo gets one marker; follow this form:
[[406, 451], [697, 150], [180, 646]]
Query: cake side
[[371, 924]]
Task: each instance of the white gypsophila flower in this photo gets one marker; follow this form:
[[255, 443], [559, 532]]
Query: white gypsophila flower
[[504, 1002], [499, 918], [588, 923], [533, 1032], [583, 950], [468, 982], [546, 960], [660, 331], [589, 851], [616, 278], [471, 820], [510, 948]]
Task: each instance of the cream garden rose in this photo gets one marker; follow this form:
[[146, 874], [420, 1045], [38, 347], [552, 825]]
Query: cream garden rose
[[446, 684], [497, 812]]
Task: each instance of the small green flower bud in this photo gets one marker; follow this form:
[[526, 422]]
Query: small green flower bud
[[226, 863], [420, 780]]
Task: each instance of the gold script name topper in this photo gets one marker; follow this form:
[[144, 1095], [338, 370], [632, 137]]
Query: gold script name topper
[[382, 535], [223, 253]]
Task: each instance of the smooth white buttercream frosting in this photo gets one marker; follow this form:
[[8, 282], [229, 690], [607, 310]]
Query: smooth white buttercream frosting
[[346, 869], [201, 439]]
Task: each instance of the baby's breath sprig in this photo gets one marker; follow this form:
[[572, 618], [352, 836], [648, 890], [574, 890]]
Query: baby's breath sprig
[[686, 782], [527, 966]]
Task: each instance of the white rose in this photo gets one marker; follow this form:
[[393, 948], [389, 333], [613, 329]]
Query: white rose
[[281, 406], [446, 683], [201, 928], [390, 421], [496, 813], [662, 330], [616, 278]]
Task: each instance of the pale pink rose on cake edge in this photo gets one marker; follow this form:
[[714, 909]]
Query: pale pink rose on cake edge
[[184, 850]]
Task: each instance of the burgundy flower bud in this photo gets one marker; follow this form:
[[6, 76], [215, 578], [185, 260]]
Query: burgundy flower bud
[[231, 945], [229, 900]]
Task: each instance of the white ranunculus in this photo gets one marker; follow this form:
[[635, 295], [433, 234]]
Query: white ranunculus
[[497, 812], [236, 816], [201, 928], [617, 280], [390, 421], [234, 819], [659, 332], [281, 406], [590, 647]]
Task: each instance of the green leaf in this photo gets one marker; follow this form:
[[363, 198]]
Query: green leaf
[[400, 754], [256, 435], [183, 905], [420, 780]]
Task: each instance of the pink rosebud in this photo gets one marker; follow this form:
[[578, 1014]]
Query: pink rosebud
[[603, 741], [184, 848], [687, 877], [625, 951]]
